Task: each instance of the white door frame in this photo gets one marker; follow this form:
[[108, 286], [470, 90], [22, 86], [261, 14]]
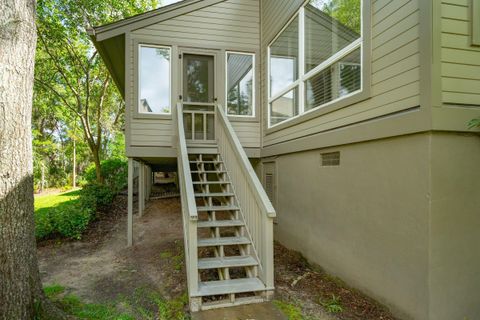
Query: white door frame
[[216, 54]]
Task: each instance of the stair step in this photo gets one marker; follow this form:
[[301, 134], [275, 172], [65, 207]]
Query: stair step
[[212, 288], [218, 208], [226, 262], [205, 161], [209, 171], [223, 241], [224, 194], [211, 182], [220, 223]]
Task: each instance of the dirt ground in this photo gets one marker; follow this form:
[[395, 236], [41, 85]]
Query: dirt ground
[[101, 269]]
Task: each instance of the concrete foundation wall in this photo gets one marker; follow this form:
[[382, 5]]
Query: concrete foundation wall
[[398, 219], [366, 220], [455, 227]]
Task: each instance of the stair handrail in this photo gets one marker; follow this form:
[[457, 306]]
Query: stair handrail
[[261, 195], [185, 165], [256, 208], [189, 207]]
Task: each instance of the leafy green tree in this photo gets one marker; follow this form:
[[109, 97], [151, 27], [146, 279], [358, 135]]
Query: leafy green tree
[[70, 74], [345, 11]]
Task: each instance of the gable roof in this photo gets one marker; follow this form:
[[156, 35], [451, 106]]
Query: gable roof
[[109, 39], [148, 18]]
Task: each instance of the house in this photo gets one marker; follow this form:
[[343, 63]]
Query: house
[[353, 115]]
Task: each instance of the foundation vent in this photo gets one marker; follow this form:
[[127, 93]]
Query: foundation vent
[[330, 159]]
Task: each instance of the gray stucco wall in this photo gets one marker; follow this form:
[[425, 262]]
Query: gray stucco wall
[[398, 219], [455, 227]]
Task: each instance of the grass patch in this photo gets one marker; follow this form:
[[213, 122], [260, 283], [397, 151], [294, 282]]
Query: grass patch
[[292, 311], [144, 304], [45, 202]]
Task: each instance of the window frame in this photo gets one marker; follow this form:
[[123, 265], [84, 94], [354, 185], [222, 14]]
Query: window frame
[[362, 43], [139, 80], [254, 84], [475, 22]]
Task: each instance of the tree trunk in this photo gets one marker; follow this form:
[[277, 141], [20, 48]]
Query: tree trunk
[[74, 164], [42, 184], [98, 167], [21, 293]]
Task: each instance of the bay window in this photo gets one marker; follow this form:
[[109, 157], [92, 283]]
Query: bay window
[[316, 60]]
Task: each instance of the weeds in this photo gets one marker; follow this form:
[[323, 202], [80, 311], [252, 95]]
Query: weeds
[[332, 305], [292, 311], [144, 304]]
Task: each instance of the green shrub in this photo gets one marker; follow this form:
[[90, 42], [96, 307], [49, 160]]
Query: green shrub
[[71, 223], [68, 219], [114, 171], [43, 225], [97, 197]]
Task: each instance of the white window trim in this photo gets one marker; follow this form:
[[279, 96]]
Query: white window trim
[[475, 22], [254, 84], [302, 78], [146, 45]]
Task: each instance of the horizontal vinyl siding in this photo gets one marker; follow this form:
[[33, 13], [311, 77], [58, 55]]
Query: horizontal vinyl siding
[[460, 60], [395, 72], [230, 25], [248, 133]]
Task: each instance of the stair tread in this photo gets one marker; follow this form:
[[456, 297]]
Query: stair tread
[[209, 171], [217, 208], [223, 241], [205, 161], [213, 194], [211, 182], [220, 223], [226, 262], [211, 288]]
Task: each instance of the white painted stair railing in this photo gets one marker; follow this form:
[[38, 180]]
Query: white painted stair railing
[[189, 207], [256, 207], [256, 218]]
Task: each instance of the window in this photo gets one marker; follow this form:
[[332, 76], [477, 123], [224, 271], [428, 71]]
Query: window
[[154, 80], [316, 59], [240, 77]]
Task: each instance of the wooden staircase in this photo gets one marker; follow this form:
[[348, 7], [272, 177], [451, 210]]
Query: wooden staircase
[[227, 219], [227, 264]]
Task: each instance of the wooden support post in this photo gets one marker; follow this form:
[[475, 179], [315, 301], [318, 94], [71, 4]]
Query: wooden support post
[[141, 189], [130, 203], [149, 182]]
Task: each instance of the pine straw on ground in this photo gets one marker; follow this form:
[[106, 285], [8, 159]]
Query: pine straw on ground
[[311, 288]]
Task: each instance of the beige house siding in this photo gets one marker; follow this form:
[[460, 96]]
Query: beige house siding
[[460, 60], [395, 70], [230, 25]]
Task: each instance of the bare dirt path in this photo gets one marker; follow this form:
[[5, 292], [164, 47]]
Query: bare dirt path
[[101, 269]]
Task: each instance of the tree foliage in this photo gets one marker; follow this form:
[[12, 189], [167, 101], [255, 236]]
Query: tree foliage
[[75, 97], [348, 12]]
